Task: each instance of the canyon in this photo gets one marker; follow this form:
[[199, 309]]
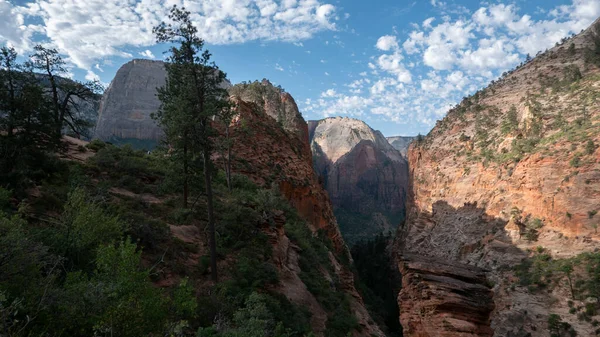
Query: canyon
[[488, 208]]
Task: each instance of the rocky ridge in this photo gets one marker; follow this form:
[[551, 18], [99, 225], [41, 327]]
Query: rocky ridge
[[509, 177], [364, 175]]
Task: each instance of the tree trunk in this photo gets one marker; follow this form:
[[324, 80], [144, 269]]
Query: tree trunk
[[211, 217], [185, 172], [228, 159]]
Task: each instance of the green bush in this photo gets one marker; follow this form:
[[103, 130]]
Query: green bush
[[96, 145]]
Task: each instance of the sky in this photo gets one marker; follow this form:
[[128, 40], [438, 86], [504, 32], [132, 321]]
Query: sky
[[398, 65]]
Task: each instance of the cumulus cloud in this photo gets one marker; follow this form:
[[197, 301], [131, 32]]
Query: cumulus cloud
[[387, 43], [13, 29], [148, 54], [450, 56], [89, 30]]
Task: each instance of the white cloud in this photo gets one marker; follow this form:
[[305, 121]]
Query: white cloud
[[450, 56], [392, 63], [13, 29], [89, 30], [329, 93], [387, 43], [147, 53], [278, 67]]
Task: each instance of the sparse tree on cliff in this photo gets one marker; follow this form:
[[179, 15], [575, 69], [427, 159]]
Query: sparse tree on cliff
[[191, 97], [65, 95], [226, 116]]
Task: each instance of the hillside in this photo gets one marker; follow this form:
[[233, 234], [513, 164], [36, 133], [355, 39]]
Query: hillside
[[80, 232], [363, 174], [508, 182]]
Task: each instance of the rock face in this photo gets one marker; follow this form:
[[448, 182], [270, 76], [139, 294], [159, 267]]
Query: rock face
[[401, 143], [512, 168], [440, 298], [270, 142], [364, 175], [129, 101]]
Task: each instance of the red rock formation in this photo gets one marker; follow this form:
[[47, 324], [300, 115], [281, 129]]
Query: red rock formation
[[440, 298], [477, 180], [272, 155]]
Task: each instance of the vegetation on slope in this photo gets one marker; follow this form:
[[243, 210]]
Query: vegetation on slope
[[83, 250]]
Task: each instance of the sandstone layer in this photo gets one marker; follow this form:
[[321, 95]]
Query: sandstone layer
[[364, 175], [511, 171], [442, 298]]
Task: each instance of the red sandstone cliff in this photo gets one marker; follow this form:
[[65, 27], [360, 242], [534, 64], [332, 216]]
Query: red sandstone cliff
[[512, 168], [273, 152]]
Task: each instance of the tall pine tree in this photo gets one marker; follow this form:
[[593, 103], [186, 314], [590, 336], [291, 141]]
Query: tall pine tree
[[192, 96]]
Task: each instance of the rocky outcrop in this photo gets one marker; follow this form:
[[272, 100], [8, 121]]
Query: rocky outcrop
[[364, 175], [445, 299], [272, 152], [511, 170], [401, 143], [129, 101]]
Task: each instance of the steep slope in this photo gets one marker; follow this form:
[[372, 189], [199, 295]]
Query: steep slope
[[508, 181], [270, 139], [127, 104], [401, 143], [269, 146], [364, 175]]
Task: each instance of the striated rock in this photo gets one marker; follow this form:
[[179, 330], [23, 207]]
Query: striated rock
[[129, 101], [479, 180], [441, 298], [401, 143], [364, 175]]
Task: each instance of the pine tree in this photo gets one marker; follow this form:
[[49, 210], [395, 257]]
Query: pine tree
[[65, 95], [192, 96], [25, 132]]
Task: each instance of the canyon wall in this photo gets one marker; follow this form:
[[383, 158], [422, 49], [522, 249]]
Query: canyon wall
[[508, 182], [364, 175]]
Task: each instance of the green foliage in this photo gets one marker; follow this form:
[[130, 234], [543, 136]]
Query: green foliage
[[85, 226], [590, 147], [118, 297], [571, 74], [576, 160], [510, 123], [96, 145], [558, 328]]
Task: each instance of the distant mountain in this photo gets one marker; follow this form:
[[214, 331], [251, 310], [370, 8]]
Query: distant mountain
[[401, 143], [365, 176], [129, 101]]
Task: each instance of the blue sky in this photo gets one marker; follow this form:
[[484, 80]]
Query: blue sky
[[398, 65]]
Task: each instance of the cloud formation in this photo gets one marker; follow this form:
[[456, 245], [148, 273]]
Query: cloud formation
[[417, 77], [91, 30]]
